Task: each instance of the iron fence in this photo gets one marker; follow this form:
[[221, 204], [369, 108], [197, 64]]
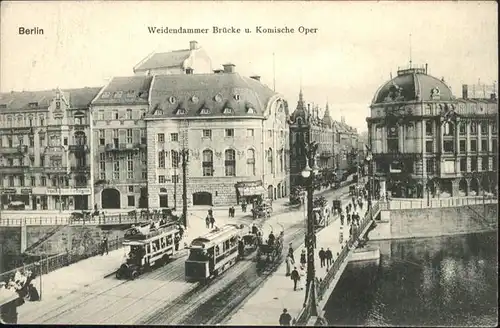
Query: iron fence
[[439, 203]]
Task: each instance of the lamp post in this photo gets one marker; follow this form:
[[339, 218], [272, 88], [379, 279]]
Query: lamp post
[[185, 159], [368, 160], [309, 173]]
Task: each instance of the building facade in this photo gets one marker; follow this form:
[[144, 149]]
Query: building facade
[[44, 149], [427, 143], [234, 130]]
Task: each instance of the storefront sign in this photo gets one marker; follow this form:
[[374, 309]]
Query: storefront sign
[[68, 191], [26, 191], [8, 191]]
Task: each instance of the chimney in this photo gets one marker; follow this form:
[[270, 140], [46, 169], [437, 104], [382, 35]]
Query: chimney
[[218, 71], [425, 68], [465, 91], [229, 68], [193, 45], [255, 77], [342, 119]]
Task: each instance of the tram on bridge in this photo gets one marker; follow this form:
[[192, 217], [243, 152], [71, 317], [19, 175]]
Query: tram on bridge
[[213, 253], [149, 245]]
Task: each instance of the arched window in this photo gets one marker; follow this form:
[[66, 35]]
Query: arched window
[[175, 158], [80, 138], [473, 127], [282, 167], [299, 121], [270, 160], [251, 162], [208, 163], [448, 129], [9, 122], [230, 162], [20, 121], [129, 114]]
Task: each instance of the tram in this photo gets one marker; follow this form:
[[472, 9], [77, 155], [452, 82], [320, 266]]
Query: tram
[[149, 245], [213, 253]]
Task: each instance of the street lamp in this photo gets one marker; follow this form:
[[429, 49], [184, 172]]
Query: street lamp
[[309, 173], [368, 160]]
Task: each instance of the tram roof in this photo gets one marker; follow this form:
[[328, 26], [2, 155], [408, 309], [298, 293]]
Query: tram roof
[[216, 236], [165, 229]]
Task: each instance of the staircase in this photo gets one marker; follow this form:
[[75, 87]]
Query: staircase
[[482, 219], [40, 241]]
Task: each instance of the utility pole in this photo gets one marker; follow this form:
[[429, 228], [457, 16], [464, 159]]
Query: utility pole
[[185, 159], [175, 188]]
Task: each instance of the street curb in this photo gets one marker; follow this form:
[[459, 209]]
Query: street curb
[[110, 274]]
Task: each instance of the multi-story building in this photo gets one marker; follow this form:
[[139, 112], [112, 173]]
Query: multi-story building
[[345, 146], [305, 127], [119, 144], [194, 60], [426, 142], [44, 150], [234, 129]]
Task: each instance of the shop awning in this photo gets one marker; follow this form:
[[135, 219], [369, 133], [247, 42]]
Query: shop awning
[[253, 188]]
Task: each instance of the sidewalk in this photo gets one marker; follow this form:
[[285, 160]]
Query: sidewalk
[[276, 294]]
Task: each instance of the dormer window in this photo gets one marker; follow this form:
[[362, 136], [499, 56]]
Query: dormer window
[[105, 95], [130, 93], [118, 94], [205, 111], [251, 110], [195, 99], [171, 100], [181, 111], [228, 110], [236, 97], [218, 98], [33, 104], [157, 112]]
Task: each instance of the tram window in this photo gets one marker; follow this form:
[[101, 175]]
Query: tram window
[[226, 245], [217, 250], [197, 255], [169, 240], [156, 244], [148, 249]]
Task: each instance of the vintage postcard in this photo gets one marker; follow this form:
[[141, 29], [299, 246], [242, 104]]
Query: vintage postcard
[[249, 163]]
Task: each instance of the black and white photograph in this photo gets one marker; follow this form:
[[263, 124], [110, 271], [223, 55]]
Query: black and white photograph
[[249, 163]]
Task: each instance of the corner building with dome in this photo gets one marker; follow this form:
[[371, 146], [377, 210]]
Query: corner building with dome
[[428, 143]]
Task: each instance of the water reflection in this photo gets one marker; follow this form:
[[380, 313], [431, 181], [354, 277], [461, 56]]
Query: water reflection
[[447, 281]]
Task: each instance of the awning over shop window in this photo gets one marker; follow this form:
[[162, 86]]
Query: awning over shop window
[[253, 188]]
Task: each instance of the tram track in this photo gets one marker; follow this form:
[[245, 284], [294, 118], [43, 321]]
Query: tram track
[[178, 311]]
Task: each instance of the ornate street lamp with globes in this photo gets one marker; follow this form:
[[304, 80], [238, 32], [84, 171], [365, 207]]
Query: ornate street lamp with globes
[[309, 173]]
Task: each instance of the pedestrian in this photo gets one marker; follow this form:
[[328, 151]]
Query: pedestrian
[[285, 318], [341, 235], [322, 256], [295, 277], [348, 219], [303, 259], [290, 252], [329, 257], [342, 219], [207, 220], [105, 245], [289, 263], [355, 205], [230, 212], [212, 222], [360, 204], [302, 274]]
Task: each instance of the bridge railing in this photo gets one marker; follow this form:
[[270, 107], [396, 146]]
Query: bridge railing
[[34, 221], [402, 204], [54, 262]]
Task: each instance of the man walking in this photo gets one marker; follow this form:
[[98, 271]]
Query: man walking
[[285, 318], [290, 253], [329, 257], [105, 245], [342, 219], [322, 256], [295, 277]]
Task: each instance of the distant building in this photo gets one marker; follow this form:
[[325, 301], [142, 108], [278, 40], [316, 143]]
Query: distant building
[[119, 163], [234, 129], [346, 146], [427, 142], [186, 61], [44, 149]]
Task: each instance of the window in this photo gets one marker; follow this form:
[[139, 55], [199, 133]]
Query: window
[[175, 178], [473, 128], [473, 145], [42, 121], [143, 136], [130, 188], [9, 142], [175, 158], [207, 133], [21, 180], [21, 140], [208, 163], [463, 164], [449, 166], [161, 138], [161, 179], [428, 128], [30, 120], [251, 162], [448, 129], [228, 110], [485, 163], [494, 145], [281, 160], [129, 114], [393, 145], [230, 162], [250, 110], [116, 169], [33, 181], [174, 137], [58, 105], [484, 145], [250, 133], [462, 128], [270, 133], [11, 181], [270, 161], [205, 111], [448, 146], [229, 133], [43, 181], [65, 141], [495, 162], [429, 165], [115, 115], [494, 128], [118, 94], [130, 200], [105, 95], [484, 128], [429, 146], [473, 164], [129, 136], [161, 159], [130, 166], [462, 145], [102, 138]]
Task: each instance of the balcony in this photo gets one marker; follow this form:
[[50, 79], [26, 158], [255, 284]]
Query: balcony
[[123, 147], [78, 148], [14, 169], [55, 170], [21, 149], [80, 169]]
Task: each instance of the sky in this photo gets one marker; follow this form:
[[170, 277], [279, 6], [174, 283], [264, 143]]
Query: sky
[[354, 51]]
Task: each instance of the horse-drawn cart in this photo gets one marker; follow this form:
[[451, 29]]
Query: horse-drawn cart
[[270, 252], [263, 209]]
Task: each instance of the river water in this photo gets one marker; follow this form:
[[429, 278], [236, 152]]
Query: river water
[[444, 281]]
